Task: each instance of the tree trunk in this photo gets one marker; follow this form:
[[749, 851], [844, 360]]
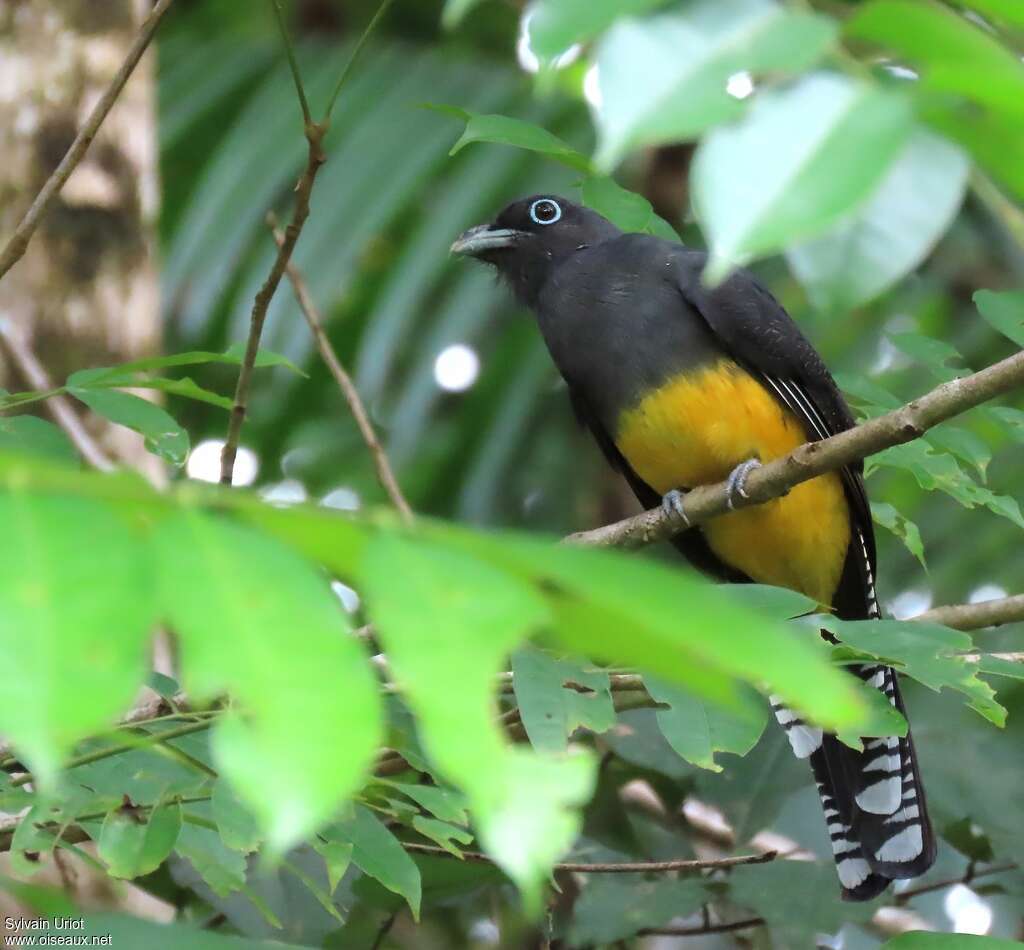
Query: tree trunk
[[85, 293]]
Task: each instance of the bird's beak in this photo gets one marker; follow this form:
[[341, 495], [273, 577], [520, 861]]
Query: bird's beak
[[484, 238]]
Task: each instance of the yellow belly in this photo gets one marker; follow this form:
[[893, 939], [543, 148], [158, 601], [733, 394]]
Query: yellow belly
[[695, 429]]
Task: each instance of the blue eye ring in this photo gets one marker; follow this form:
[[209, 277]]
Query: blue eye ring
[[544, 204]]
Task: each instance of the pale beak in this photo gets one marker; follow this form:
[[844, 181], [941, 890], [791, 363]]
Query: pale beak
[[484, 238]]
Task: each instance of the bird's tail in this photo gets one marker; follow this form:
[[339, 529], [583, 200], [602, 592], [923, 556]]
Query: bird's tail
[[873, 800]]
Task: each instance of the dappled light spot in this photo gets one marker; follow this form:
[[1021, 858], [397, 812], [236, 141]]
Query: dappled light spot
[[343, 498], [528, 59], [348, 597], [986, 592], [289, 492], [456, 368], [592, 87], [910, 603], [204, 463], [969, 913], [740, 85]]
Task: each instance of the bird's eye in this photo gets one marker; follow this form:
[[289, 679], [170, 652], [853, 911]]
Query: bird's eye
[[545, 211]]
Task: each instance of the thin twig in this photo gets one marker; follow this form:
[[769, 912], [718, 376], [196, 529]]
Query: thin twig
[[293, 63], [610, 867], [385, 474], [347, 71], [969, 875], [315, 133], [58, 406], [987, 613], [704, 928], [18, 243], [775, 478]]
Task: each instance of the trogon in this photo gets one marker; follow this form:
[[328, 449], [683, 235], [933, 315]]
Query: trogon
[[682, 385]]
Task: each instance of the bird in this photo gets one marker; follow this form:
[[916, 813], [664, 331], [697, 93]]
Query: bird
[[684, 384]]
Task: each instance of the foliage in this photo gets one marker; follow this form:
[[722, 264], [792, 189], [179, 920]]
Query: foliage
[[289, 797]]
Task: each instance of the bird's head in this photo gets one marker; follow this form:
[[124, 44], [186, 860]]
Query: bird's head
[[531, 237]]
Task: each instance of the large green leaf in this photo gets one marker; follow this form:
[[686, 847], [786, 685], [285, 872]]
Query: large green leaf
[[918, 940], [774, 178], [687, 60], [555, 25], [446, 629], [1004, 312], [133, 843], [78, 607], [952, 54], [164, 437], [555, 696], [614, 907], [697, 730], [886, 238], [926, 651], [258, 621], [377, 852], [798, 899]]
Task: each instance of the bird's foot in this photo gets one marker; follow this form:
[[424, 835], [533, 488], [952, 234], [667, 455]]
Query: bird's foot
[[734, 485], [672, 504]]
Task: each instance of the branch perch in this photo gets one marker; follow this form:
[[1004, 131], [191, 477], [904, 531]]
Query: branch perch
[[776, 478], [315, 133], [385, 474], [15, 248]]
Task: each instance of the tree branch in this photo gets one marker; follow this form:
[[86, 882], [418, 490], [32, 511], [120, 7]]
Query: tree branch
[[315, 133], [15, 248], [777, 477], [614, 867], [58, 406], [385, 474], [987, 613]]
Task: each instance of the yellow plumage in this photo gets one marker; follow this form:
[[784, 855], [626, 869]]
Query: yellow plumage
[[695, 429]]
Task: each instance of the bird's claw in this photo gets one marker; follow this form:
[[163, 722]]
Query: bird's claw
[[672, 504], [736, 481]]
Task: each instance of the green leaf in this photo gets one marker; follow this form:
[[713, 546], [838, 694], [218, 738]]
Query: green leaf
[[236, 825], [951, 54], [446, 629], [264, 358], [337, 857], [455, 11], [30, 434], [133, 843], [625, 209], [551, 710], [798, 899], [998, 666], [222, 869], [919, 940], [889, 518], [446, 804], [1009, 10], [443, 833], [614, 907], [624, 610], [697, 731], [1004, 312], [555, 25], [925, 651], [377, 852], [969, 840], [932, 352], [236, 602], [505, 130], [774, 178], [870, 250], [164, 437], [78, 609], [962, 443], [687, 60]]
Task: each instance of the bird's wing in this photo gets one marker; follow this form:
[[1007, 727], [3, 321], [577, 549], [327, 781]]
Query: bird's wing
[[758, 333]]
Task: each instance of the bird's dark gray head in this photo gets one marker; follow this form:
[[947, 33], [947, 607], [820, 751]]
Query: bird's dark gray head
[[531, 237]]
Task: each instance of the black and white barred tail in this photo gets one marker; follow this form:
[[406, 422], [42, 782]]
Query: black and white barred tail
[[873, 800]]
